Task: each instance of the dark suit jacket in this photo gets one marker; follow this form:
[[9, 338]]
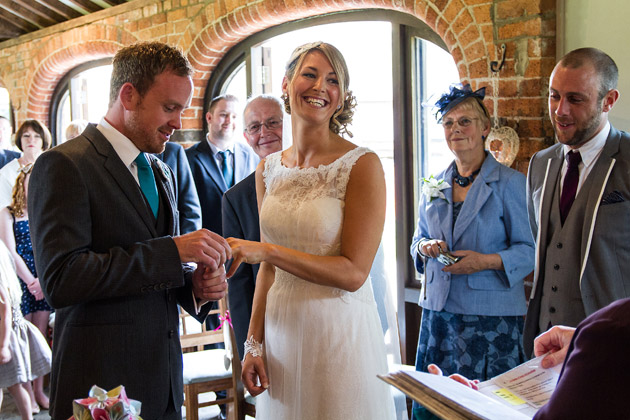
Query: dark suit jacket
[[7, 156], [603, 234], [209, 179], [240, 220], [187, 198], [594, 379], [114, 282]]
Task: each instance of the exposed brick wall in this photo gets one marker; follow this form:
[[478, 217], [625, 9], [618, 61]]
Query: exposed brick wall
[[473, 30]]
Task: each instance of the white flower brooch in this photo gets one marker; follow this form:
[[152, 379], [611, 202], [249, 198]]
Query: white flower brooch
[[432, 188]]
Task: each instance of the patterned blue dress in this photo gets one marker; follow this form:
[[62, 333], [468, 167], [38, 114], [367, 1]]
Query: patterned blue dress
[[24, 248]]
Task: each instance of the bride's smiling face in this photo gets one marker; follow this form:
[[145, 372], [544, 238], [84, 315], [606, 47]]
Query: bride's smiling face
[[314, 92]]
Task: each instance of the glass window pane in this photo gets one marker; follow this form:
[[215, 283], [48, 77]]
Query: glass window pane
[[434, 72], [5, 126], [440, 72], [237, 85], [5, 104], [86, 99], [64, 116]]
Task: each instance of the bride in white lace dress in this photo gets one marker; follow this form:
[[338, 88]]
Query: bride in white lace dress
[[322, 216]]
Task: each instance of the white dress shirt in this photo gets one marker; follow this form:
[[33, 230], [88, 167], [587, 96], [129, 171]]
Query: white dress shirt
[[217, 157], [124, 148], [589, 151]]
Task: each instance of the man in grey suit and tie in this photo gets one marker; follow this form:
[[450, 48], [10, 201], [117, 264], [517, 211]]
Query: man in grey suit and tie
[[219, 162], [579, 204], [104, 225], [263, 131]]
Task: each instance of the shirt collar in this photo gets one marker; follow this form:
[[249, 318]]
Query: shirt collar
[[216, 150], [590, 150], [125, 149]]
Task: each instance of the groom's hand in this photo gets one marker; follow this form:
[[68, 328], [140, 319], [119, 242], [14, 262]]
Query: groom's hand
[[209, 285], [203, 246]]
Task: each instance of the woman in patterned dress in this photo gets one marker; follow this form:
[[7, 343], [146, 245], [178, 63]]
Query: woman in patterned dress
[[472, 316]]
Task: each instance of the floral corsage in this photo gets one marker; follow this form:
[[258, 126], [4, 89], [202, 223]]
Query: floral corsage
[[432, 188], [106, 405]]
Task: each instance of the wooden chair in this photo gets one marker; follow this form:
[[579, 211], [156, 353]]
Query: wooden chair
[[210, 370]]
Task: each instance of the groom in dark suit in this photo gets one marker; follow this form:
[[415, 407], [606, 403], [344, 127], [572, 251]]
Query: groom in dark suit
[[263, 131], [579, 198], [104, 224]]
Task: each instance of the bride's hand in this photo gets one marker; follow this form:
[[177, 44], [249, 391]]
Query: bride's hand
[[243, 251], [253, 374]]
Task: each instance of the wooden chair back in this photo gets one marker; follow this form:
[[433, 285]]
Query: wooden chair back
[[210, 370]]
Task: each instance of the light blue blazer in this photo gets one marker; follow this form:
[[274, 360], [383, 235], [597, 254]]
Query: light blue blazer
[[493, 220]]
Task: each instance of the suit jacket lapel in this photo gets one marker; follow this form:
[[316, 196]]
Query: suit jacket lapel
[[163, 179], [252, 193], [443, 210], [555, 165], [204, 154], [599, 175], [121, 175], [240, 164], [477, 196]]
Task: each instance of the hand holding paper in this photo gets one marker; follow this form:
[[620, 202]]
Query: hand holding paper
[[556, 342]]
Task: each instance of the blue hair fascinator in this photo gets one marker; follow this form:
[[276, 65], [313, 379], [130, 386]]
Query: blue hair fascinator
[[455, 96]]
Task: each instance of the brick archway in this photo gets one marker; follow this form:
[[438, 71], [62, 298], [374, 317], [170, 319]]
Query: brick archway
[[65, 52], [466, 30]]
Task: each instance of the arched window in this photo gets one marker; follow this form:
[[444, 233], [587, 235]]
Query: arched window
[[82, 94], [6, 112], [396, 62], [5, 104]]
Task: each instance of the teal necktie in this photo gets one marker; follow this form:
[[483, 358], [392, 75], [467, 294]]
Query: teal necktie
[[147, 182], [228, 172]]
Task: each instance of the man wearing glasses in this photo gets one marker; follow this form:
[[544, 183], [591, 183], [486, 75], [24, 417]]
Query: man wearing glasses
[[263, 132]]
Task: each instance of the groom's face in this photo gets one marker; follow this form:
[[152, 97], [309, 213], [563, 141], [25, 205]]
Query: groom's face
[[154, 117]]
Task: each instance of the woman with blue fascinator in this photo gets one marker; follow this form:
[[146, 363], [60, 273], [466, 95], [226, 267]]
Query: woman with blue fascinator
[[474, 246]]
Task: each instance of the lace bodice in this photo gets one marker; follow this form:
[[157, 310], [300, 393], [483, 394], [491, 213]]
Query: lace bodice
[[303, 207]]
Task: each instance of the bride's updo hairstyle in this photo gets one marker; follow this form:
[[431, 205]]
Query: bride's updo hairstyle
[[343, 115]]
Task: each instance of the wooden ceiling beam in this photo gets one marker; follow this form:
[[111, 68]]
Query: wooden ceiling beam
[[20, 17], [43, 11], [25, 14], [58, 7], [86, 5], [113, 2], [14, 21]]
